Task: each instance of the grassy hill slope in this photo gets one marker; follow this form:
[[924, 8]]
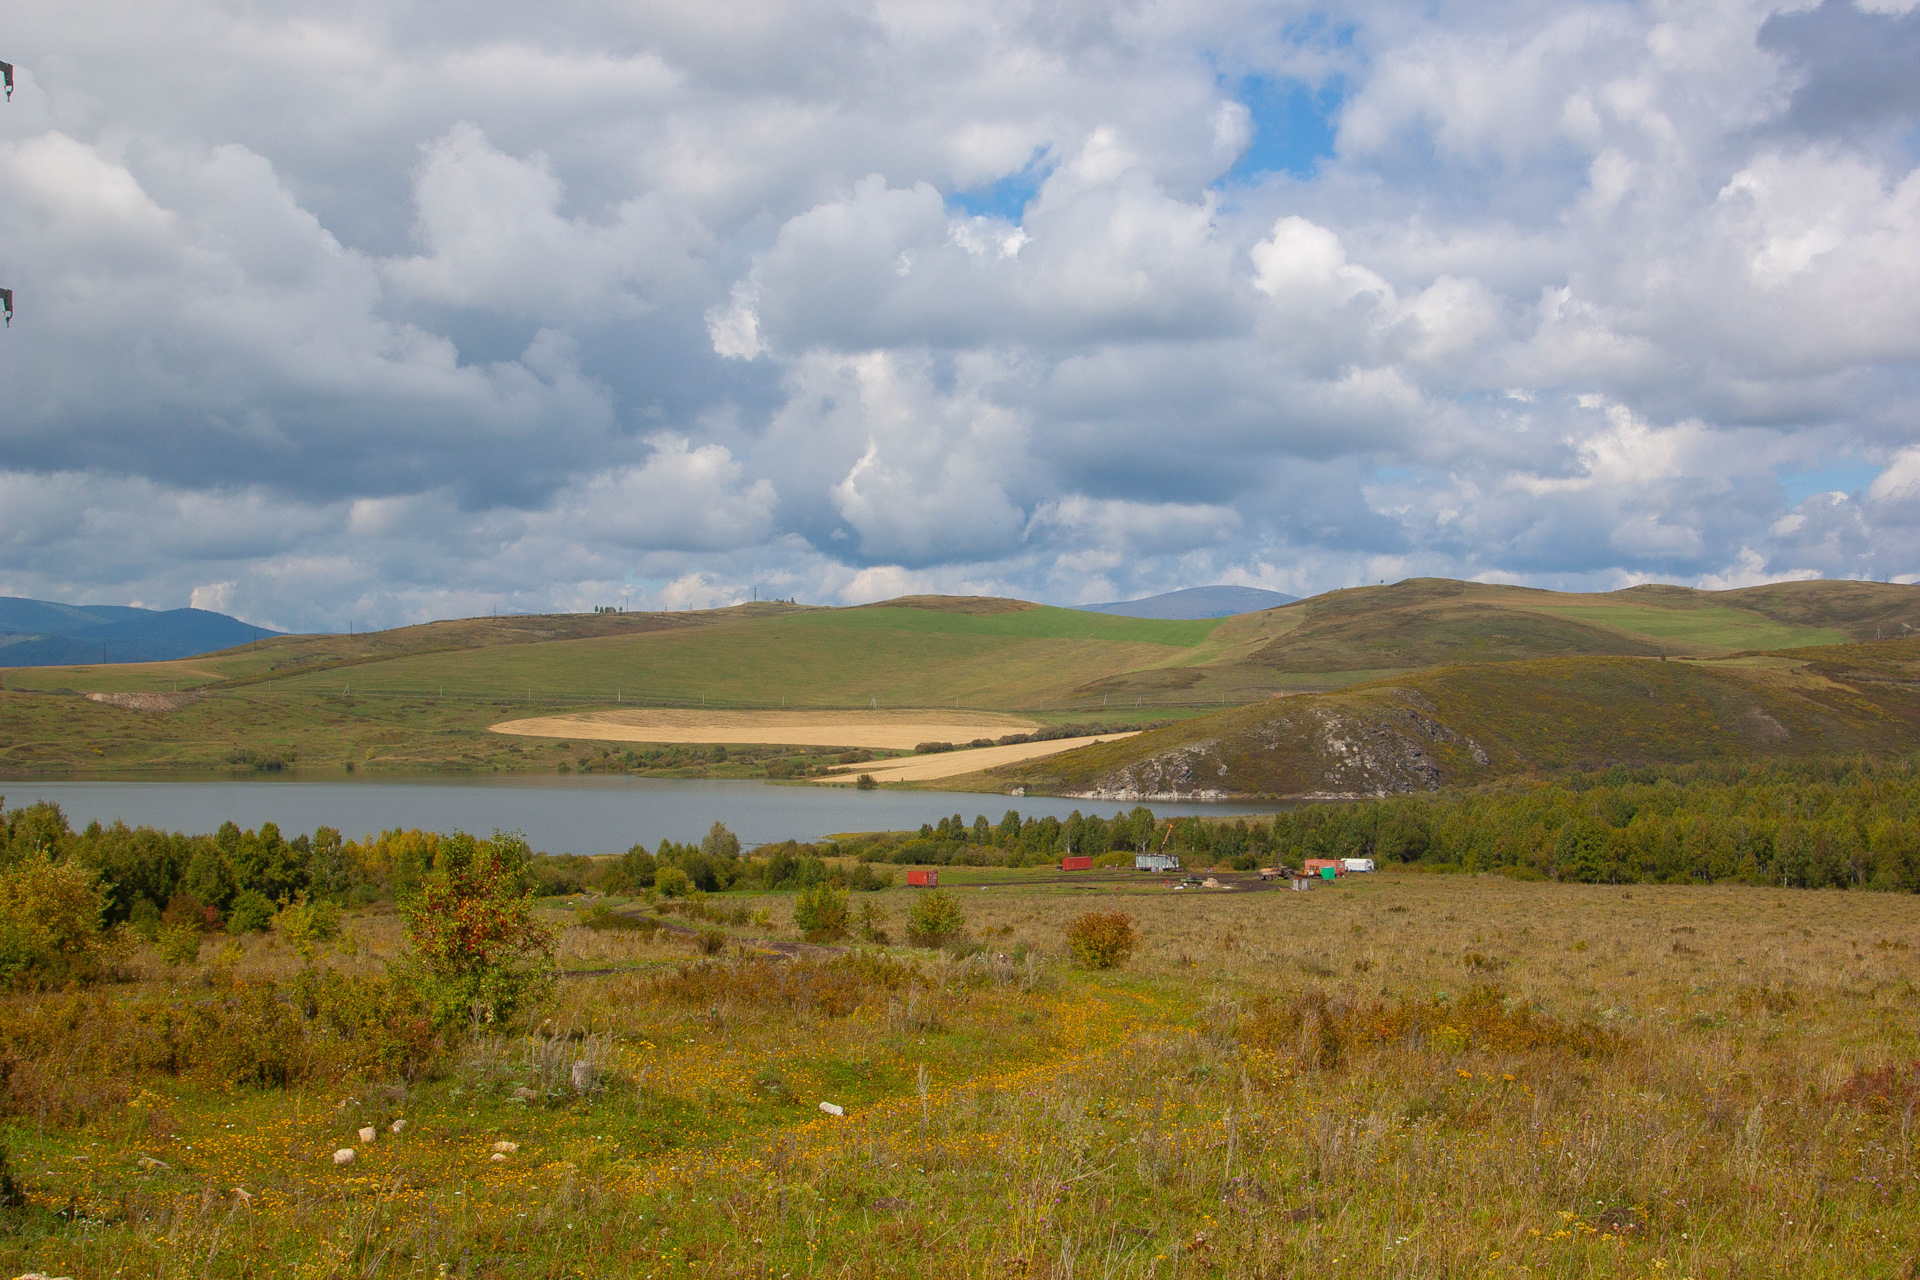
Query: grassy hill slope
[[1472, 723], [422, 696]]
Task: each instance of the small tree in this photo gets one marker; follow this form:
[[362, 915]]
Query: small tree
[[251, 913], [476, 947], [934, 919], [720, 842], [820, 913], [50, 922], [1102, 939]]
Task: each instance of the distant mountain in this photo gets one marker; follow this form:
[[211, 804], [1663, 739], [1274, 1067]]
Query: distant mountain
[[44, 633], [1196, 602]]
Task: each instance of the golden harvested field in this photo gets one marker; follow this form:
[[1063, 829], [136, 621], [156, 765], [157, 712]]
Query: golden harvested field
[[875, 730], [1395, 1076], [953, 764]]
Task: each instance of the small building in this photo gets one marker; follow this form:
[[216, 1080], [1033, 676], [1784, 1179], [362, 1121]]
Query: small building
[[1319, 866], [1358, 864], [1156, 862], [923, 878], [1077, 862]]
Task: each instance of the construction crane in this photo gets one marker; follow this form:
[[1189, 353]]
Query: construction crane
[[6, 73]]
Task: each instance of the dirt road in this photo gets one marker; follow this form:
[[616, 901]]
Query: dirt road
[[951, 764]]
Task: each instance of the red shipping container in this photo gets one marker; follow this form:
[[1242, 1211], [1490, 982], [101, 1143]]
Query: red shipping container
[[1082, 862], [928, 879], [1316, 865]]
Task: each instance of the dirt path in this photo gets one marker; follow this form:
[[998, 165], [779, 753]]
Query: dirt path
[[875, 730], [951, 764]]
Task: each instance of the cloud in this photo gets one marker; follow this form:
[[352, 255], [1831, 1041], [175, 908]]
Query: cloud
[[384, 319]]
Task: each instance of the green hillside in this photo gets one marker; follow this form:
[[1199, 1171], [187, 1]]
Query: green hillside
[[423, 696], [1468, 724]]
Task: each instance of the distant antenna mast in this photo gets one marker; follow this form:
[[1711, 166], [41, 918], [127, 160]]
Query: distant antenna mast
[[6, 295]]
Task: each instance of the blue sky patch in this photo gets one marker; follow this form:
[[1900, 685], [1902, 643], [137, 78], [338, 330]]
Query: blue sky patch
[[1008, 198], [1293, 125], [1844, 475]]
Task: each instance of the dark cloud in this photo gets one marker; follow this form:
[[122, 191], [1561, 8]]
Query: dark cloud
[[1855, 68]]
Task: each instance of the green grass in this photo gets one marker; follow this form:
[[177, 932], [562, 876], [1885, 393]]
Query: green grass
[[1711, 627], [795, 662]]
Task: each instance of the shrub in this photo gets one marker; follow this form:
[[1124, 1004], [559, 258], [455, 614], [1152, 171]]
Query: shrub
[[478, 950], [872, 918], [934, 919], [178, 943], [50, 922], [672, 882], [305, 923], [1102, 939], [865, 782], [820, 913], [145, 920], [710, 941], [250, 913], [185, 909], [864, 878]]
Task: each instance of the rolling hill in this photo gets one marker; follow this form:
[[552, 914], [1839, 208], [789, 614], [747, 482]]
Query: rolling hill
[[423, 696], [1468, 724], [1196, 602], [44, 633]]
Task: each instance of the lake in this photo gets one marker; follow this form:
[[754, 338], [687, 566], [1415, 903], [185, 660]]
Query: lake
[[558, 814]]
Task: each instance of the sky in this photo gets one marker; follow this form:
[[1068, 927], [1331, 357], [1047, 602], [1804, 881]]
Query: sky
[[372, 313]]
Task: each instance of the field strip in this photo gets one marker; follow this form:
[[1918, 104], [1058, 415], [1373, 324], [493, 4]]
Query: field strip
[[950, 764], [877, 730]]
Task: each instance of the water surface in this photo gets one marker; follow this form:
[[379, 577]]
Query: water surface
[[558, 814]]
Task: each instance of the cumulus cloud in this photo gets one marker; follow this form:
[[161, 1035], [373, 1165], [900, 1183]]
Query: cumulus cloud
[[329, 314]]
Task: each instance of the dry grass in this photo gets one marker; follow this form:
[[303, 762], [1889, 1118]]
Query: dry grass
[[881, 730], [1397, 1076]]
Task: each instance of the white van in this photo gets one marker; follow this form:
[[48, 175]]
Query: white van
[[1358, 864]]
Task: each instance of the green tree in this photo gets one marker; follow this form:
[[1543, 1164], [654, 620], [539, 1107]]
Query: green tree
[[50, 922], [720, 842], [478, 950]]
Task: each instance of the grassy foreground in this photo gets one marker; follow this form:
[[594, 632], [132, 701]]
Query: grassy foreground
[[1398, 1075]]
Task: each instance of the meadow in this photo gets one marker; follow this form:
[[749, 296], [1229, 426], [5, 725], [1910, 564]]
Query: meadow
[[1394, 1075]]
